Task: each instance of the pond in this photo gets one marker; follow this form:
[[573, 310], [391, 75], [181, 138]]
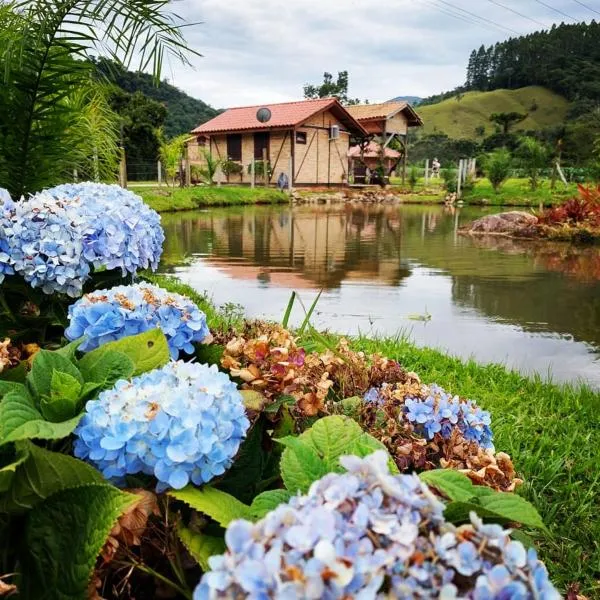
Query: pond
[[534, 306]]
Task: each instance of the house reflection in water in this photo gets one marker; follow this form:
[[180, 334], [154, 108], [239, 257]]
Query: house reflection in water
[[316, 247]]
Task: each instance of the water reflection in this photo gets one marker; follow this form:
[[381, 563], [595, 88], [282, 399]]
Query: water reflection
[[533, 306]]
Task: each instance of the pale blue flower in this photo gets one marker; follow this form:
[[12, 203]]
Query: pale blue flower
[[108, 315], [165, 423], [387, 532]]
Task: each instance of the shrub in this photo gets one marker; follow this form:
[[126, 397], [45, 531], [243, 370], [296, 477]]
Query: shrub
[[497, 167], [450, 180], [534, 157], [413, 177]]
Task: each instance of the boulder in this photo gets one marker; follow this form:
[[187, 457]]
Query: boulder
[[509, 223]]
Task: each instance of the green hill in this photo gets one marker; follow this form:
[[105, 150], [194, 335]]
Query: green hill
[[460, 117]]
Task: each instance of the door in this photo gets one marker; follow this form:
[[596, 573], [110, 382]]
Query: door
[[261, 141]]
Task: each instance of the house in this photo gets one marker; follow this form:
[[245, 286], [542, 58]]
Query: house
[[386, 122], [310, 139]]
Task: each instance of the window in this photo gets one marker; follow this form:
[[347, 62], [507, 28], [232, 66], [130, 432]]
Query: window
[[261, 141], [300, 137], [201, 141], [234, 147]]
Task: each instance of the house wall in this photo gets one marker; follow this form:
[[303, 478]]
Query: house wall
[[397, 124], [321, 161], [318, 162]]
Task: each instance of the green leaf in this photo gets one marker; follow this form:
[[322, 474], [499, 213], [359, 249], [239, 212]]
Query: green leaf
[[20, 420], [201, 546], [89, 388], [288, 310], [70, 350], [301, 464], [246, 473], [317, 451], [16, 457], [42, 474], [147, 351], [106, 368], [63, 402], [45, 363], [209, 354], [513, 508], [63, 538], [454, 485], [12, 386], [218, 505], [18, 373], [268, 501]]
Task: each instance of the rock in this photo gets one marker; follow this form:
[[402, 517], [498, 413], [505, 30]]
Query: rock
[[509, 223]]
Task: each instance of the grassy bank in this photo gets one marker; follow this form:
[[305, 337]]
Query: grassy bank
[[175, 199], [551, 431]]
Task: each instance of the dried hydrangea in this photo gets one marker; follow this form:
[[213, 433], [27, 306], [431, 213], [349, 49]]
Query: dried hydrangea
[[424, 427], [55, 238], [107, 315], [184, 422], [368, 534]]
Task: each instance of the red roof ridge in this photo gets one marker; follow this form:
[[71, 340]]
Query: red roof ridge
[[266, 105]]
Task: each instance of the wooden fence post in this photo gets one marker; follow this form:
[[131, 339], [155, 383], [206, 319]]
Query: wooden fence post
[[290, 175], [265, 167], [459, 178], [75, 177], [253, 174], [159, 167], [427, 172], [188, 166], [123, 169]]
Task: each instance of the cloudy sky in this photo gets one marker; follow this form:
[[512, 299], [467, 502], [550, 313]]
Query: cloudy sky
[[258, 51]]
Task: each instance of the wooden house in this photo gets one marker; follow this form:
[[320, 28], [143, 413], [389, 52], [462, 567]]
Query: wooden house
[[310, 139], [384, 123]]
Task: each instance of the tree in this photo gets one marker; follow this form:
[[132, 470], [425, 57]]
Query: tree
[[497, 167], [507, 119], [142, 120], [534, 156], [171, 156], [45, 61], [330, 88]]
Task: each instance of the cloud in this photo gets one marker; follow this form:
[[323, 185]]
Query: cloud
[[257, 51]]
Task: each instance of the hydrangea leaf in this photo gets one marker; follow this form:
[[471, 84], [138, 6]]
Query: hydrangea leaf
[[218, 505], [17, 374], [201, 546], [63, 402], [14, 458], [45, 363], [63, 538], [513, 508], [12, 386], [20, 420], [454, 485], [318, 450], [106, 368], [147, 351], [209, 354], [70, 350], [42, 474], [268, 501]]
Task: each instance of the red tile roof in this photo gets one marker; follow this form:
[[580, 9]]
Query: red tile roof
[[284, 115], [372, 112]]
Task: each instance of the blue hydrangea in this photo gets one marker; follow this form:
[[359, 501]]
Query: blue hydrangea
[[55, 238], [436, 411], [107, 315], [6, 205], [184, 422], [357, 534], [122, 232]]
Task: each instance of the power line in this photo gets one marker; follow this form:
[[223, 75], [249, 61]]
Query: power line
[[516, 12], [460, 17], [588, 7], [478, 17], [560, 12]]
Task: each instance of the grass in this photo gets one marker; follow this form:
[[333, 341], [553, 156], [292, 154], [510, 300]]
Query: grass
[[460, 118], [175, 199], [551, 431]]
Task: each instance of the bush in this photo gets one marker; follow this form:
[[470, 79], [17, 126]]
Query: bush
[[450, 180], [497, 167], [413, 177], [231, 167], [534, 157]]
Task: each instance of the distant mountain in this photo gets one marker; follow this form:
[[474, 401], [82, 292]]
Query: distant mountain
[[414, 100], [183, 112], [467, 115]]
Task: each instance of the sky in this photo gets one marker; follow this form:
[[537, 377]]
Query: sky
[[264, 51]]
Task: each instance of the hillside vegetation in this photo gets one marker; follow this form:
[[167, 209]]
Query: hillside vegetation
[[462, 116]]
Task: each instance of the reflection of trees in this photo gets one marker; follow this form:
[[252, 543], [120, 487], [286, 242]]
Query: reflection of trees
[[323, 245]]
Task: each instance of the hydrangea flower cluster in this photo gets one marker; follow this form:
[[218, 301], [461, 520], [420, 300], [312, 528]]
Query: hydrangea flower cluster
[[356, 534], [433, 411], [107, 315], [54, 238], [182, 422]]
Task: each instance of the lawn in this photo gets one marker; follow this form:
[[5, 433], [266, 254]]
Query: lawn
[[551, 431], [175, 199]]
